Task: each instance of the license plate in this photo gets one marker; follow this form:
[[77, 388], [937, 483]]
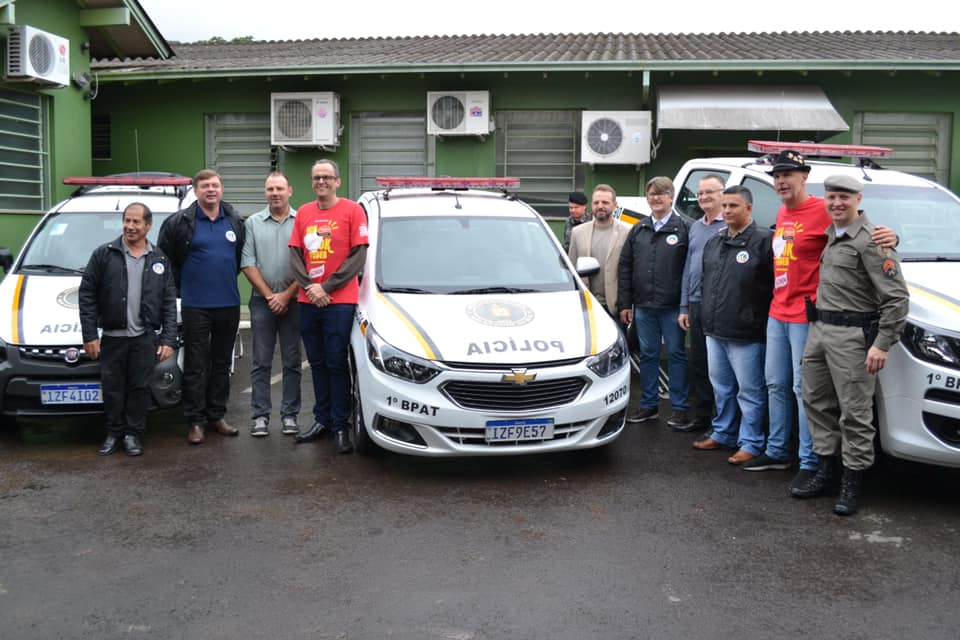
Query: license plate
[[88, 393], [513, 430]]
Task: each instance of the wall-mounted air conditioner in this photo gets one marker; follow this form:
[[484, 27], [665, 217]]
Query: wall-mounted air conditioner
[[37, 56], [615, 137], [305, 119], [458, 113]]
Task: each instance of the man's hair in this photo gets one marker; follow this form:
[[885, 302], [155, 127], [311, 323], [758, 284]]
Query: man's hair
[[659, 184], [332, 163], [739, 190], [605, 187], [277, 174], [206, 174], [147, 214], [713, 176]]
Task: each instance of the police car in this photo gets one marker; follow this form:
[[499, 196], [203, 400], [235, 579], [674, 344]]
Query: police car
[[918, 392], [474, 334], [43, 368]]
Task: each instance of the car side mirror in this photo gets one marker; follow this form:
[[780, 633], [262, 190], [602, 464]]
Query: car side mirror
[[6, 259], [587, 266]]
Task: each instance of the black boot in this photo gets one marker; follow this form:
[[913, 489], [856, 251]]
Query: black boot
[[846, 504], [822, 483]]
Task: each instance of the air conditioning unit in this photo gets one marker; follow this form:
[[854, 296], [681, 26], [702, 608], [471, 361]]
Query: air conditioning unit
[[37, 56], [305, 119], [458, 113], [615, 137]]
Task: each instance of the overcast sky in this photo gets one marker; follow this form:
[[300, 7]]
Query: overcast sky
[[191, 20]]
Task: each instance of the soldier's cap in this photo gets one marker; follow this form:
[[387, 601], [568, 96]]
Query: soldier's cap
[[790, 160], [840, 182], [576, 197]]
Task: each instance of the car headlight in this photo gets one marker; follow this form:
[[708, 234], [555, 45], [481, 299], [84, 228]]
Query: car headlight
[[611, 360], [932, 347], [397, 363]]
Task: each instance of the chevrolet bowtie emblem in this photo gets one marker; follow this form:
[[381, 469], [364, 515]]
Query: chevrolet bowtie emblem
[[519, 376]]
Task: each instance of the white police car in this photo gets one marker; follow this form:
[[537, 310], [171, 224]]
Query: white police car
[[474, 335], [918, 392], [43, 368]]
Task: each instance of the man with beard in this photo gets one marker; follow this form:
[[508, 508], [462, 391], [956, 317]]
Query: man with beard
[[602, 238]]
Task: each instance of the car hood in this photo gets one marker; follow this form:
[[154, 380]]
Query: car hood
[[934, 292], [496, 329], [40, 310]]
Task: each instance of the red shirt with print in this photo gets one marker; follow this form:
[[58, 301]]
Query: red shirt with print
[[326, 237], [797, 244]]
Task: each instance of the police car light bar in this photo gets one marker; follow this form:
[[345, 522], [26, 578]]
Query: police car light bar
[[128, 181], [447, 183], [811, 149]]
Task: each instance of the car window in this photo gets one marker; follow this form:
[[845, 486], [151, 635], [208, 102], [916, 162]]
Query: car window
[[451, 254], [766, 202], [66, 240], [686, 199], [926, 219]]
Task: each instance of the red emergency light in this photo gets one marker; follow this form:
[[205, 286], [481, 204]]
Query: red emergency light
[[812, 149], [128, 181], [446, 183]]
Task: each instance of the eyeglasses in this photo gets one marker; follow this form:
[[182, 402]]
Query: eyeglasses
[[658, 195], [323, 178], [707, 192]]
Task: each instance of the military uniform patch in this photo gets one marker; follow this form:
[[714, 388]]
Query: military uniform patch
[[890, 269]]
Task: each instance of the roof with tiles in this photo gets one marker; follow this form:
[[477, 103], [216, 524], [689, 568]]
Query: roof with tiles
[[550, 50]]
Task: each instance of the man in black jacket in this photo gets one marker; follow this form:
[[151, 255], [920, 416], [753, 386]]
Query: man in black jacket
[[127, 289], [737, 288], [205, 242], [650, 277]]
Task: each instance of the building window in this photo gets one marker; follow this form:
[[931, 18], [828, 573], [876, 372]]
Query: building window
[[24, 152], [238, 148], [920, 141], [100, 132], [542, 149]]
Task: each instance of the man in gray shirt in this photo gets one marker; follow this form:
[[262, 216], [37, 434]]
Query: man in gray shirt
[[266, 264]]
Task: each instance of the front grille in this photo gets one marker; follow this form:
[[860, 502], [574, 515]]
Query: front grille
[[943, 395], [51, 353], [500, 366], [477, 435], [506, 396]]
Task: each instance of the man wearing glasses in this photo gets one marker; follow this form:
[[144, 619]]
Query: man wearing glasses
[[709, 195], [651, 271], [328, 249]]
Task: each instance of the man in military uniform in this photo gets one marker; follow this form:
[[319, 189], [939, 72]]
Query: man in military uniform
[[861, 308]]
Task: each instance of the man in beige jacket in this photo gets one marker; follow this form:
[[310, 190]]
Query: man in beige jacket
[[601, 238]]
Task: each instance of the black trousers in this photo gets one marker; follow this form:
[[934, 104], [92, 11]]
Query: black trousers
[[699, 377], [126, 365], [208, 337]]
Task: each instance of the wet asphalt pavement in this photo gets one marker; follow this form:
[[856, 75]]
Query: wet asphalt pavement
[[648, 538]]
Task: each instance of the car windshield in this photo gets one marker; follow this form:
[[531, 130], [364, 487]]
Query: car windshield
[[64, 242], [469, 255], [927, 220]]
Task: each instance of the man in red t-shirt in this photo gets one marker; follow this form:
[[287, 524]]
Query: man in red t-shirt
[[798, 241], [328, 249]]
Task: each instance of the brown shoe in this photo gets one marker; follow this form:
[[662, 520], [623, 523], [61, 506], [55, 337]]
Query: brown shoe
[[740, 457], [708, 444], [197, 434], [221, 427]]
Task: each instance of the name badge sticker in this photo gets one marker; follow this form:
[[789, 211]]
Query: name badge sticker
[[672, 239], [158, 268], [743, 257]]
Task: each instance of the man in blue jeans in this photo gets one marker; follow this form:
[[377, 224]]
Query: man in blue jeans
[[266, 264], [328, 249], [650, 277]]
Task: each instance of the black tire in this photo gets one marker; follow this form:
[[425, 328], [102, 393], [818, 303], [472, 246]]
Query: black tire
[[361, 440]]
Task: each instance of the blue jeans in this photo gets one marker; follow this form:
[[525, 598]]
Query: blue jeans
[[326, 336], [654, 325], [266, 328], [785, 343], [736, 373]]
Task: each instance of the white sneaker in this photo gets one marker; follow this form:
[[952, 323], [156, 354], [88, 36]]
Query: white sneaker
[[259, 428], [288, 426]]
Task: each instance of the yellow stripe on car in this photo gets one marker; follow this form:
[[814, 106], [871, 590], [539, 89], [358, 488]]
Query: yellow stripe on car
[[428, 348], [589, 323], [17, 316], [929, 294]]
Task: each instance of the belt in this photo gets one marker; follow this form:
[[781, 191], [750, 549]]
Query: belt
[[847, 318]]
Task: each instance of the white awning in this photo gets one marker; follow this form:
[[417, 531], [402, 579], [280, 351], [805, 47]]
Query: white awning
[[746, 108]]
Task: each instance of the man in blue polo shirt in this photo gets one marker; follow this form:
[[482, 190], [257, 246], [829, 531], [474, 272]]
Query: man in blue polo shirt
[[205, 242]]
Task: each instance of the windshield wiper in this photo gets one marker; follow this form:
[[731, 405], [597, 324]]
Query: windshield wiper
[[403, 290], [51, 268], [483, 290]]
